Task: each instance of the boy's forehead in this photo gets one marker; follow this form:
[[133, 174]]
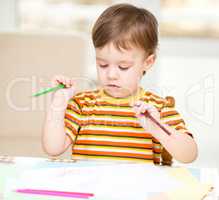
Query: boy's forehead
[[109, 52]]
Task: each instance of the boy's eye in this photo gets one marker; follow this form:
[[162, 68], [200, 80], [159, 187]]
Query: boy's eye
[[103, 66], [123, 68]]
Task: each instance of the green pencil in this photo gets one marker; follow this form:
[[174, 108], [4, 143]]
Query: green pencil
[[47, 90]]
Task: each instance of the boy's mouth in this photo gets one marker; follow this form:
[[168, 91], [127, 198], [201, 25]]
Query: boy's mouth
[[113, 86]]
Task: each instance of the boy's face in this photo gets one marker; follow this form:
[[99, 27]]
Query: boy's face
[[120, 72]]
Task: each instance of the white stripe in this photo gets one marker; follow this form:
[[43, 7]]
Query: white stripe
[[166, 109], [141, 131], [114, 108], [107, 119], [111, 119], [157, 146]]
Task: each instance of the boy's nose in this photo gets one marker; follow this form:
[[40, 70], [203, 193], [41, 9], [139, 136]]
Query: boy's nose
[[112, 73]]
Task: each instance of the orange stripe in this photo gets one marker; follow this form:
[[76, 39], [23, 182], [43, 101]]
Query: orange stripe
[[118, 144], [102, 122], [73, 108], [157, 160], [121, 154], [87, 94], [72, 118], [118, 113], [74, 131], [156, 150], [168, 113], [104, 103], [153, 95], [180, 127], [156, 101], [77, 101], [174, 122], [119, 133]]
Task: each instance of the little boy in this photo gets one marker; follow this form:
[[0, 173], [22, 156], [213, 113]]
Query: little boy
[[109, 123]]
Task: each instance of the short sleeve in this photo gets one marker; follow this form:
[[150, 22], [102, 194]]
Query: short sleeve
[[171, 117], [72, 119], [157, 149]]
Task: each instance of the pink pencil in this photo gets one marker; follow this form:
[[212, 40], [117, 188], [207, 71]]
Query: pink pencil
[[56, 193], [147, 114]]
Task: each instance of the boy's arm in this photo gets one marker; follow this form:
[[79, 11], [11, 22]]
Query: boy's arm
[[54, 139], [179, 143], [181, 146]]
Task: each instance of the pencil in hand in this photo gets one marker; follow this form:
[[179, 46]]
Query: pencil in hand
[[47, 90], [147, 114]]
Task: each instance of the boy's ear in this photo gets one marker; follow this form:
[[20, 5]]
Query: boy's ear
[[149, 61]]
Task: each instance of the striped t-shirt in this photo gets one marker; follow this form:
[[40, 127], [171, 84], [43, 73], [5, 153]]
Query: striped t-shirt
[[103, 127]]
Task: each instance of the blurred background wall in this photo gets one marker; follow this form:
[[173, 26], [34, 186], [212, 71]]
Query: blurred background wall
[[187, 64]]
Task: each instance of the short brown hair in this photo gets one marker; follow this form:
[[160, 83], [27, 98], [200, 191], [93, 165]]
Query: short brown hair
[[126, 26]]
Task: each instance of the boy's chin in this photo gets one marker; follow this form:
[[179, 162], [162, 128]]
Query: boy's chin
[[117, 94]]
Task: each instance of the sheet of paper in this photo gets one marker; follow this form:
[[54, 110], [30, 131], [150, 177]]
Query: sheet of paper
[[122, 181], [192, 189]]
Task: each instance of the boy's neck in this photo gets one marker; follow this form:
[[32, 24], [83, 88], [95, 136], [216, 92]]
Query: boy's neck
[[128, 99]]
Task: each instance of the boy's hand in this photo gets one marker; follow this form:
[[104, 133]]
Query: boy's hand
[[63, 95], [140, 108]]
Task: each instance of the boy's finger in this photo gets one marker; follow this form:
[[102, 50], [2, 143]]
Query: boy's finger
[[62, 80], [138, 103], [57, 79], [54, 81], [152, 109], [138, 111]]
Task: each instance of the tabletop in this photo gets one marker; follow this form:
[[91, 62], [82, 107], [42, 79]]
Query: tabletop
[[11, 169]]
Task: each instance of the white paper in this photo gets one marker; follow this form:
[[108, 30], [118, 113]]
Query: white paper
[[113, 182]]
